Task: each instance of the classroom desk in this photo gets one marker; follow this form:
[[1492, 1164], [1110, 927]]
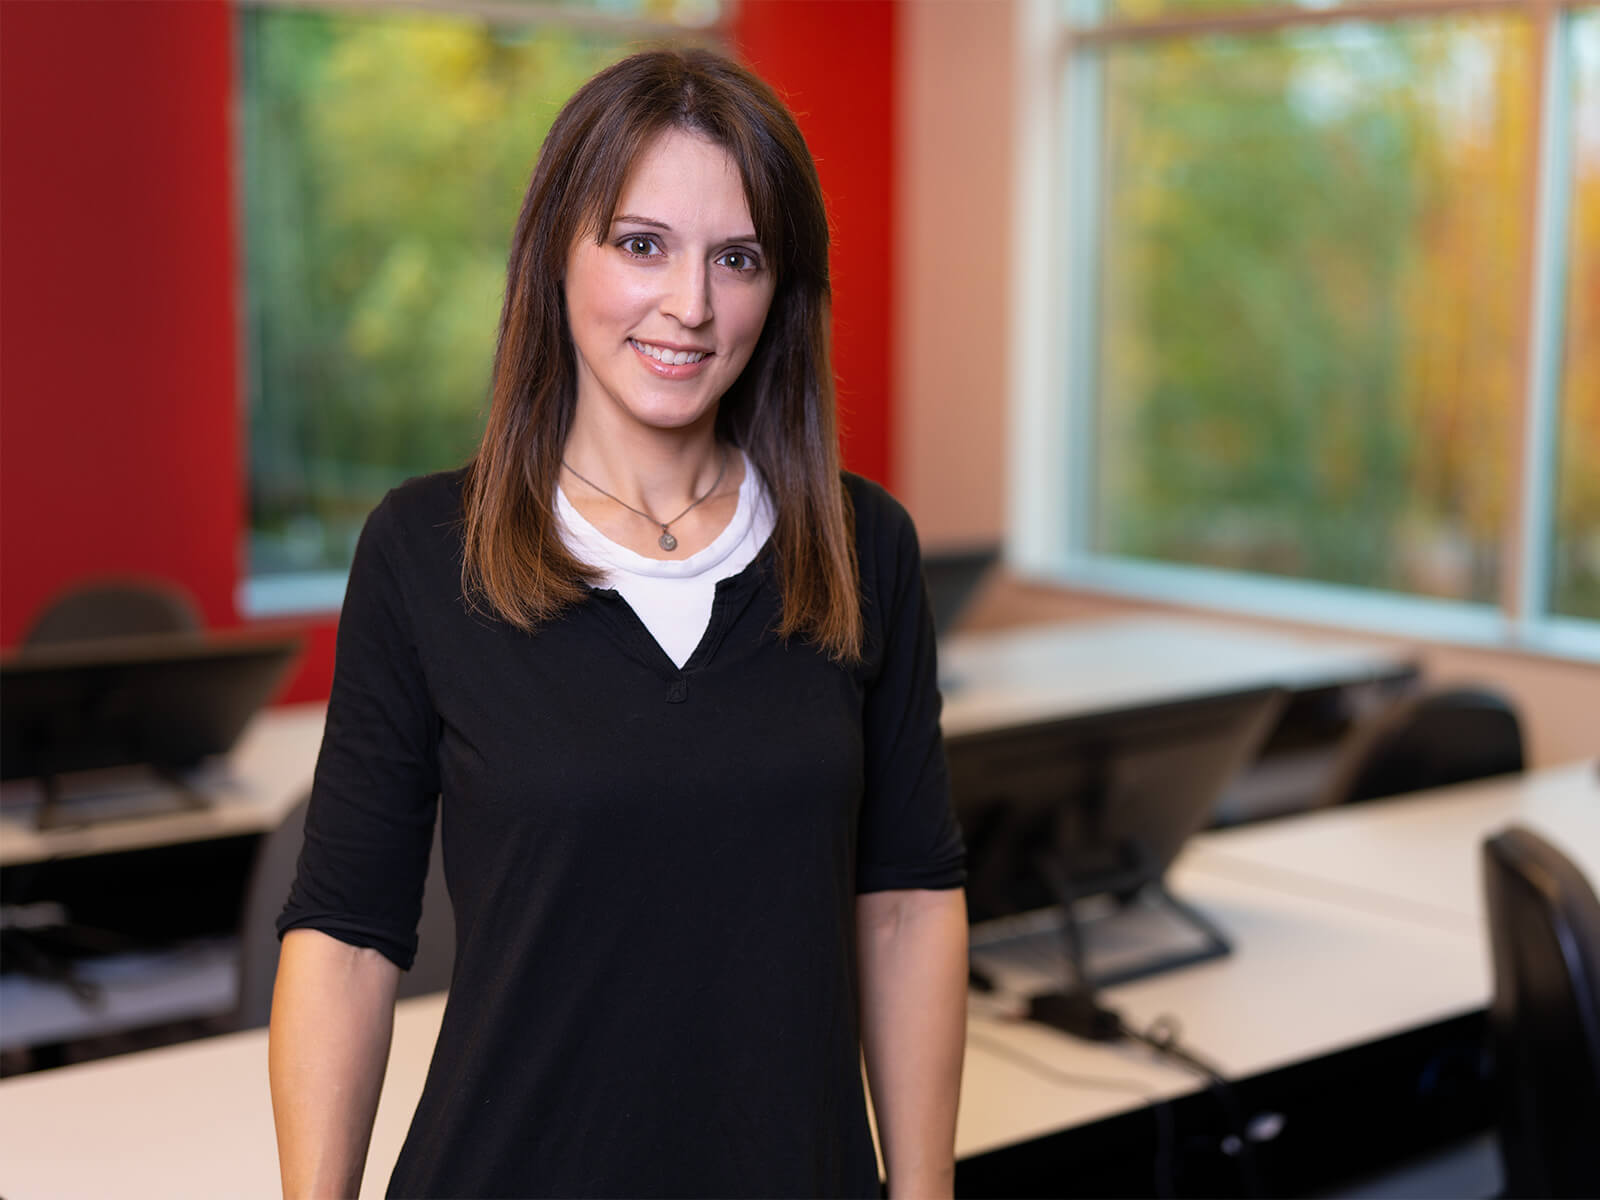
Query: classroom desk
[[1316, 970], [1349, 924], [268, 772], [1052, 672]]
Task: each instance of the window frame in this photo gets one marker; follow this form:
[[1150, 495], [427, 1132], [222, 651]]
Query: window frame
[[1058, 52]]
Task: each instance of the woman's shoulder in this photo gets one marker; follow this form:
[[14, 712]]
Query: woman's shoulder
[[888, 555], [881, 521], [420, 504], [416, 527]]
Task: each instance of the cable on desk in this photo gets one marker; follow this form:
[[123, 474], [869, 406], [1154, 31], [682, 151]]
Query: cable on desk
[[1162, 1037], [1078, 1012]]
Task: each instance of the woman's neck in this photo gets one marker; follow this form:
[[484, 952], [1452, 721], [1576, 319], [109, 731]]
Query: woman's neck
[[628, 482], [655, 471]]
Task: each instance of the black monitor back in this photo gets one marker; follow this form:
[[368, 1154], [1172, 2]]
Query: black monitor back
[[1099, 803], [162, 700], [952, 577]]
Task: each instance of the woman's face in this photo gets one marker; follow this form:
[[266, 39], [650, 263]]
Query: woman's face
[[666, 309]]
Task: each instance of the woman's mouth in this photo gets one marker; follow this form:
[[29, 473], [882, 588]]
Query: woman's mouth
[[666, 356]]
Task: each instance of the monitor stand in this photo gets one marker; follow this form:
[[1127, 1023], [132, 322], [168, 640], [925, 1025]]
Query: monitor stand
[[1140, 928], [1165, 933], [1107, 929]]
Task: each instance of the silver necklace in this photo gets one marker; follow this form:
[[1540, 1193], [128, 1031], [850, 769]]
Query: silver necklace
[[666, 541]]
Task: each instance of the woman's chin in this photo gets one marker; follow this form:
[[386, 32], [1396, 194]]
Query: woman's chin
[[673, 418]]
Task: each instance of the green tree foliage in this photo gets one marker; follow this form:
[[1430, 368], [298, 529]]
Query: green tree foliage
[[1267, 270], [386, 158]]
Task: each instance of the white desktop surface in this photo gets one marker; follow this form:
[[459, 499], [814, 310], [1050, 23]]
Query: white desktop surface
[[1416, 855], [1313, 971], [1049, 672], [267, 774], [193, 1120]]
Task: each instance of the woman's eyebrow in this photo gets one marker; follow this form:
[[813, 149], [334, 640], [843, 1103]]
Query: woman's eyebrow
[[632, 219], [635, 219]]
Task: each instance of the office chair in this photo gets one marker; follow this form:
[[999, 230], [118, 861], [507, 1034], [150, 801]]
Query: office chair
[[270, 880], [1544, 1020], [1428, 740], [114, 608]]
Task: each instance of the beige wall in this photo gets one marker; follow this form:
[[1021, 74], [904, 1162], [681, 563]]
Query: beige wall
[[957, 119], [953, 249]]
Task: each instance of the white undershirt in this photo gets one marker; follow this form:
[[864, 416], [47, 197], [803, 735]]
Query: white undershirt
[[673, 598]]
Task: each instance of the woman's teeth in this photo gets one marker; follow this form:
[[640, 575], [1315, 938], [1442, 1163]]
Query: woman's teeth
[[671, 358]]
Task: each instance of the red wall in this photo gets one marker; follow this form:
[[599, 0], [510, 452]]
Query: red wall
[[120, 405], [119, 423], [833, 61]]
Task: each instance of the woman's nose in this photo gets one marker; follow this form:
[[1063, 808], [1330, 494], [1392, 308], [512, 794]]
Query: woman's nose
[[688, 294]]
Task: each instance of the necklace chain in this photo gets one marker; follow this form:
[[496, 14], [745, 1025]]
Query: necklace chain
[[666, 541]]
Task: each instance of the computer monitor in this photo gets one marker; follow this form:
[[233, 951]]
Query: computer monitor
[[952, 576], [166, 701], [1099, 805]]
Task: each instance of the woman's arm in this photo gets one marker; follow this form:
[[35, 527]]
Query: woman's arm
[[912, 947], [332, 1014]]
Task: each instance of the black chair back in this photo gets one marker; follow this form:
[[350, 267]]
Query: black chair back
[[1429, 740], [1544, 931], [114, 609], [274, 871]]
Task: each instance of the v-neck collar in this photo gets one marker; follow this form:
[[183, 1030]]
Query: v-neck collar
[[732, 596]]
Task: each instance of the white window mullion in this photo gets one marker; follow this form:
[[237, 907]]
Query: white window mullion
[[1040, 264], [1541, 409], [1083, 187]]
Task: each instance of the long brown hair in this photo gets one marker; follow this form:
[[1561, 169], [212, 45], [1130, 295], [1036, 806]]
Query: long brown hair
[[780, 411]]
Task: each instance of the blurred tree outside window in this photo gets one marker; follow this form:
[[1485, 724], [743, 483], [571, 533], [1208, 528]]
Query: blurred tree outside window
[[1311, 314], [385, 155]]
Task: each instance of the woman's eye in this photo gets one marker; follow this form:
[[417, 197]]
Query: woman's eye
[[738, 260], [639, 247]]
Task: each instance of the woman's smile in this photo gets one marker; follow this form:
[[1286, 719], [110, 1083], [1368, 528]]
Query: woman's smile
[[668, 361]]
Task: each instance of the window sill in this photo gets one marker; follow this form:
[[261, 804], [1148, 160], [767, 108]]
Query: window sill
[[303, 593], [1329, 606]]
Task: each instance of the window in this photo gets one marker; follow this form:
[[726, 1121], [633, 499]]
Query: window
[[1330, 297], [385, 154]]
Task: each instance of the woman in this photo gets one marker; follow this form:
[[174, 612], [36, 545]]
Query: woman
[[674, 681]]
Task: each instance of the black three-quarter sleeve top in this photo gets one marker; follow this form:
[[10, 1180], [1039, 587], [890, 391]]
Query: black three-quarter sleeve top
[[653, 870]]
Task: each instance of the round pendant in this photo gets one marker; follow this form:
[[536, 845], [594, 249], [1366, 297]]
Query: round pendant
[[666, 541]]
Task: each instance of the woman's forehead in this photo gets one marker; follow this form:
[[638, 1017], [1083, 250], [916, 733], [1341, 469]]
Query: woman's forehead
[[680, 177]]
